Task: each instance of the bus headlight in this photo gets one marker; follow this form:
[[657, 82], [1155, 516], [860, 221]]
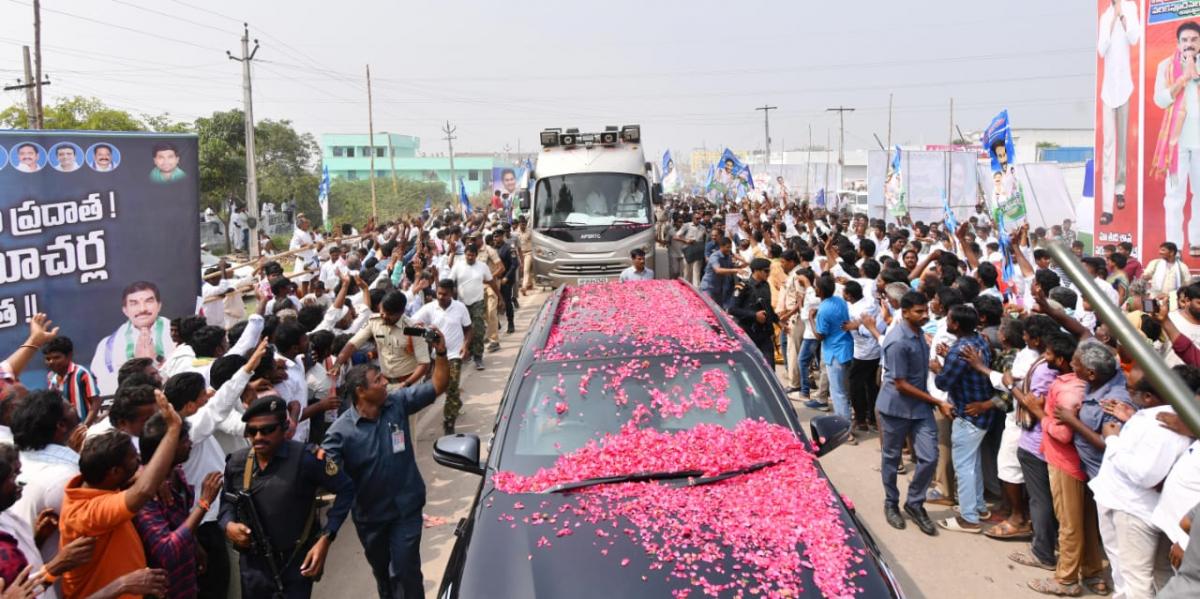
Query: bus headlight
[[544, 253]]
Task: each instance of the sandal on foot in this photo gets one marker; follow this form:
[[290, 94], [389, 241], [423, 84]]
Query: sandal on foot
[[1026, 558], [1008, 531], [1097, 585], [1194, 251], [1105, 218], [1120, 201], [1049, 586], [953, 525]]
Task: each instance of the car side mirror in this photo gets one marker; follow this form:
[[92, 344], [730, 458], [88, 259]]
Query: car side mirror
[[656, 194], [523, 199], [829, 432], [459, 452]]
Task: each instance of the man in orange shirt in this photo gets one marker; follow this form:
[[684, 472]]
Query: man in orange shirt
[[94, 504]]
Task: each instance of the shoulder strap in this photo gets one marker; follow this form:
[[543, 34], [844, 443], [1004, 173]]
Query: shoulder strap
[[248, 475]]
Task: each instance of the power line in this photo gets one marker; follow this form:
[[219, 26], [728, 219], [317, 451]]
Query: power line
[[170, 16], [121, 27]]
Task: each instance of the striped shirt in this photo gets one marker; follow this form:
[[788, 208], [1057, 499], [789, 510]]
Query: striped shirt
[[77, 386]]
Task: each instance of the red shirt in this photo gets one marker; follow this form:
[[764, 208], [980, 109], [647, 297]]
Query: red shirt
[[1058, 438]]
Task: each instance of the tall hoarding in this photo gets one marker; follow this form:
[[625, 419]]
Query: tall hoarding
[[1171, 152], [99, 231]]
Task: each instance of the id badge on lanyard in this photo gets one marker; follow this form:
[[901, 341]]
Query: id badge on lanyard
[[397, 438]]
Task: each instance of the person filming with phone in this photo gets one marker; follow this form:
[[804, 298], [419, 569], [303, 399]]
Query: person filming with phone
[[1182, 326]]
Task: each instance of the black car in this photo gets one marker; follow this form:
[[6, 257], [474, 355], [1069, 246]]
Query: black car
[[643, 448]]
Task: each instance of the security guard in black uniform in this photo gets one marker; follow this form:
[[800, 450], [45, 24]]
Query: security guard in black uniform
[[752, 308], [269, 509]]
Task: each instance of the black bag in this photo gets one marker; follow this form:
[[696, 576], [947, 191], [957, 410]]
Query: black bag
[[694, 252]]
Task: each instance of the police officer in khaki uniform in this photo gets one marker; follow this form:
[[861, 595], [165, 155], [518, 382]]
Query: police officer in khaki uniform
[[491, 258], [403, 360], [524, 243]]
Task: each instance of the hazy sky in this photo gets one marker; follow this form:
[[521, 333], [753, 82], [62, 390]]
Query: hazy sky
[[691, 73]]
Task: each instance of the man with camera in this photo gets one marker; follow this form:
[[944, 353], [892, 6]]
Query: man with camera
[[403, 358]]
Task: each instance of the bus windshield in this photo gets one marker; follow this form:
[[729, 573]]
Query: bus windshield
[[591, 199]]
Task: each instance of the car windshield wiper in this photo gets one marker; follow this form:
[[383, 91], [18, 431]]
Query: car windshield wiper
[[695, 477], [716, 478], [623, 478]]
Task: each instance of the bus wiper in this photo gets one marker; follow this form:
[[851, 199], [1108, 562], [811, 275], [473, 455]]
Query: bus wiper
[[623, 478]]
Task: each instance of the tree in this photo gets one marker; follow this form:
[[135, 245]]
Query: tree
[[350, 201], [75, 113]]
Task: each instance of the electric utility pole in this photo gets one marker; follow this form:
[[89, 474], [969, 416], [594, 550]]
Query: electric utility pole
[[841, 110], [767, 129], [27, 84], [371, 135], [449, 131], [37, 55], [248, 107]]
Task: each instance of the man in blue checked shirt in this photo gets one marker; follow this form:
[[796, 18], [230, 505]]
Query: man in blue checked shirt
[[970, 393]]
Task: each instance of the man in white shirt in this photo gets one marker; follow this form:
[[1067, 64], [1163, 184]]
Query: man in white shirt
[[1177, 158], [239, 228], [204, 409], [42, 424], [333, 269], [1120, 29], [1180, 493], [638, 271], [470, 276], [305, 259], [1137, 457], [865, 364], [459, 329]]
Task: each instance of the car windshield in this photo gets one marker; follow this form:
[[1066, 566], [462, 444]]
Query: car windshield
[[591, 199], [559, 409]]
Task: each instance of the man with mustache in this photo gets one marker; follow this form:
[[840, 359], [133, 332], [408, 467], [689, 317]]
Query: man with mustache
[[102, 157], [27, 158], [1177, 150], [144, 335]]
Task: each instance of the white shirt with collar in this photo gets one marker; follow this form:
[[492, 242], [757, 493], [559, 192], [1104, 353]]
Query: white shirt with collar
[[450, 321], [1181, 492], [45, 473], [1135, 462], [207, 455]]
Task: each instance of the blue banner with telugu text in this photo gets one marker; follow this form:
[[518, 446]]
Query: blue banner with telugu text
[[99, 230]]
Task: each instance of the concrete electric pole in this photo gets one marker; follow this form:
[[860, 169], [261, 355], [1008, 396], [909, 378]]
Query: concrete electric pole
[[841, 110], [449, 131], [248, 106], [371, 135], [767, 129], [27, 84]]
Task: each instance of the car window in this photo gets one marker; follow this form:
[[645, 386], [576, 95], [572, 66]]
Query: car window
[[559, 410]]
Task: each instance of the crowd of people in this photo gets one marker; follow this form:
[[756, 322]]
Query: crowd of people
[[984, 372], [227, 466]]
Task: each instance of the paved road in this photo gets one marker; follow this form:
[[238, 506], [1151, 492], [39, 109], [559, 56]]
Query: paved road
[[951, 564], [449, 492]]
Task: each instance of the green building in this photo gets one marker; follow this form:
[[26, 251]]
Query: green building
[[349, 157]]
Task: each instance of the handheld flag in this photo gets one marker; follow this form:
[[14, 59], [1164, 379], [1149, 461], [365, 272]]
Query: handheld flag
[[462, 196], [428, 203], [821, 198], [948, 214], [893, 187], [1008, 272], [997, 138], [323, 197], [668, 164]]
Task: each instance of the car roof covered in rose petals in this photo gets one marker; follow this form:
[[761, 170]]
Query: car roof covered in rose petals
[[639, 318], [780, 530]]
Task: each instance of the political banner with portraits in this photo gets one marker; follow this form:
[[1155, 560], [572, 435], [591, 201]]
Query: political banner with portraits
[[99, 231], [1170, 169]]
